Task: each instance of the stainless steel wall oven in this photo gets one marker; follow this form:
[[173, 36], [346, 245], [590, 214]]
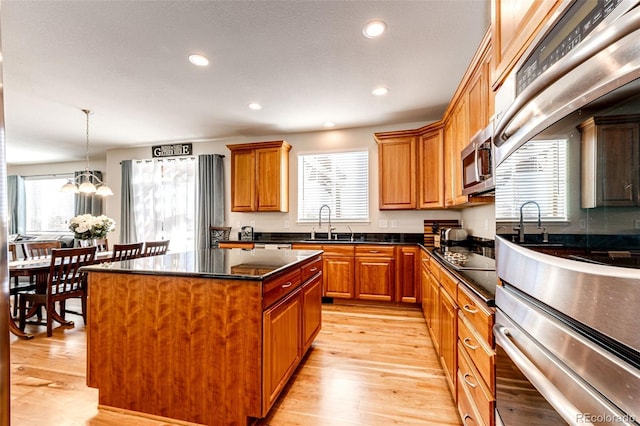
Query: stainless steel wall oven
[[568, 222]]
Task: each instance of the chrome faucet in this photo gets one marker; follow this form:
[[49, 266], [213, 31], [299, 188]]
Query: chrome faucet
[[320, 220], [520, 228], [352, 235]]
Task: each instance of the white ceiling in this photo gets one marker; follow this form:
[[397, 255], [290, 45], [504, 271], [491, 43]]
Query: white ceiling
[[306, 62]]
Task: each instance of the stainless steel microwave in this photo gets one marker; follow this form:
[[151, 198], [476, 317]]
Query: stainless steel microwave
[[477, 163]]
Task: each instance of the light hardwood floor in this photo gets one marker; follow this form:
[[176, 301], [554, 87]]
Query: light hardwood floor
[[368, 366]]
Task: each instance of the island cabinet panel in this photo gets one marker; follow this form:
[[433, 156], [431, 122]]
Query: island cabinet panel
[[143, 357], [213, 351]]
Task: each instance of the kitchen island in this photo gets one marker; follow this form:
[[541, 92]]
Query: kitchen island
[[208, 337]]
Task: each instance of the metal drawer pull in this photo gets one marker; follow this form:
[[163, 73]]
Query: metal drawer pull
[[469, 309], [313, 269], [469, 345], [464, 419], [374, 251], [287, 284], [471, 384]]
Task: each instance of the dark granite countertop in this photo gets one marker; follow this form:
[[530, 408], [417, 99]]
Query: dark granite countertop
[[342, 238], [481, 283], [238, 264]]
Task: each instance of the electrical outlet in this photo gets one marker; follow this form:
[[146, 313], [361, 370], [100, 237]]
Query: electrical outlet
[[394, 223], [286, 224], [382, 223], [253, 223], [583, 224], [637, 223]]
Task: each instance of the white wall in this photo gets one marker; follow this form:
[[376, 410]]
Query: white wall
[[479, 220]]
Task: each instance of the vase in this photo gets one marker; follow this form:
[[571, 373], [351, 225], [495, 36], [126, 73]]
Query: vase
[[87, 243]]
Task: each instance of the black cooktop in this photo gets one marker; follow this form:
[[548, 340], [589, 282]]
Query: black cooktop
[[463, 258]]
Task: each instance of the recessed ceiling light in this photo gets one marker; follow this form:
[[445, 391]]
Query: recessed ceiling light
[[255, 106], [374, 29], [380, 91], [329, 124], [198, 60]]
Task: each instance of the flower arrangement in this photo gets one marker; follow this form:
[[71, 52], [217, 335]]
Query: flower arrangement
[[88, 227]]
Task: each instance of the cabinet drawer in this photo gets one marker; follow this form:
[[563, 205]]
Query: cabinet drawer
[[338, 250], [482, 356], [277, 288], [480, 394], [468, 412], [478, 314], [310, 269], [450, 284], [375, 250]]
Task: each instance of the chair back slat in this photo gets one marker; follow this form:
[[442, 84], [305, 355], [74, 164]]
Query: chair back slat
[[13, 252], [64, 269], [154, 248], [126, 251], [39, 249]]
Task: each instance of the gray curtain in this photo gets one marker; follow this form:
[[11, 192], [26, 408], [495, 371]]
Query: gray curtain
[[16, 198], [210, 204], [88, 203], [127, 213]]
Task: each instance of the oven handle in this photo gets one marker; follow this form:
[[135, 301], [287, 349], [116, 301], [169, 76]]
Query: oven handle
[[562, 405]]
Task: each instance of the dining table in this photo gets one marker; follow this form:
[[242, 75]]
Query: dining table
[[38, 268]]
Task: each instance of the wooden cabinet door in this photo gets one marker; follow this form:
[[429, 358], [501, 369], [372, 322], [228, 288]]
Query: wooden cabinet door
[[425, 293], [312, 310], [434, 311], [282, 344], [397, 173], [408, 274], [375, 278], [269, 175], [430, 168], [338, 276], [461, 140], [243, 181], [515, 24], [449, 338], [449, 156], [618, 165]]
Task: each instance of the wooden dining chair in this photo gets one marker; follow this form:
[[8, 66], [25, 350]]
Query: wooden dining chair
[[154, 248], [65, 281], [21, 282], [102, 244], [126, 251], [37, 249]]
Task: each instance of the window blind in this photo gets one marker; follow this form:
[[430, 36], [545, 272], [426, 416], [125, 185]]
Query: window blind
[[535, 172], [340, 180]]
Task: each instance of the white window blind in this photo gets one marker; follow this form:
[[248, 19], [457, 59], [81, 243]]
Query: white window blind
[[47, 208], [340, 180], [535, 172]]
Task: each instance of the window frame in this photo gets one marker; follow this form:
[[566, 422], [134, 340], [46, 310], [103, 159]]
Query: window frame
[[366, 218]]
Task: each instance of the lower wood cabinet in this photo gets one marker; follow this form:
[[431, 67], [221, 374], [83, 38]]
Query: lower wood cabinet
[[375, 272], [338, 268], [282, 345], [290, 326], [461, 324]]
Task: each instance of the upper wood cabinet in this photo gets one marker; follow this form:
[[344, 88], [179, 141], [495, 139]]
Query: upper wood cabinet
[[260, 177], [470, 111], [515, 23], [430, 172], [410, 168], [610, 157], [397, 170]]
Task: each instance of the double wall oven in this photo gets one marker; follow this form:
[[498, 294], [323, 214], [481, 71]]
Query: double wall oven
[[567, 185]]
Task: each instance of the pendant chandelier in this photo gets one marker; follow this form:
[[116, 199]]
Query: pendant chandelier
[[87, 182]]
